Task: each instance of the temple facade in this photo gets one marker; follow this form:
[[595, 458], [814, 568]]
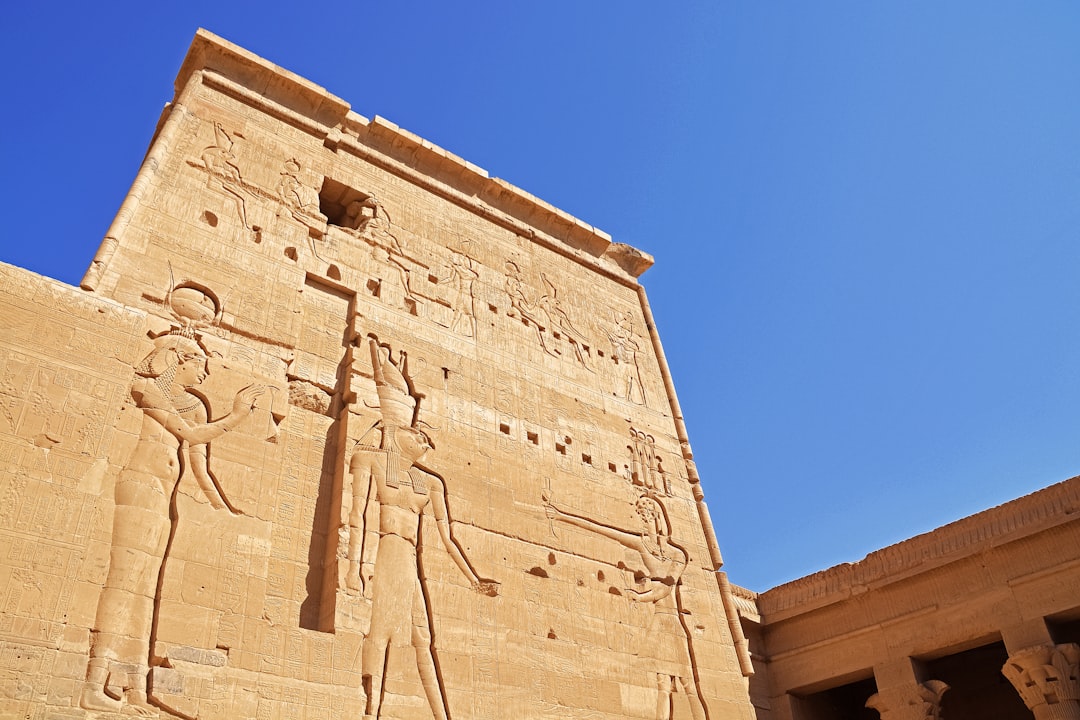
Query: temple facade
[[338, 425]]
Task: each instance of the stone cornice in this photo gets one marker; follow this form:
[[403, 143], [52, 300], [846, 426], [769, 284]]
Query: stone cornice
[[1025, 516], [312, 108]]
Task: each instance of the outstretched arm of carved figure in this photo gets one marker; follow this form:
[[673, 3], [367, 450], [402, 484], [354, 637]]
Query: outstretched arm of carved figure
[[197, 463], [622, 537], [442, 521], [666, 575], [198, 434], [657, 591]]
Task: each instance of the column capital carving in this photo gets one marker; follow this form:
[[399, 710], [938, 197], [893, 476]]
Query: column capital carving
[[920, 701], [1048, 679]]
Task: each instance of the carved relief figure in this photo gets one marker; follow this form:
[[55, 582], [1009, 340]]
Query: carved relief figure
[[392, 491], [294, 192], [552, 309], [302, 199], [626, 349], [372, 223], [462, 276], [646, 470], [220, 161], [521, 308], [172, 440], [667, 644]]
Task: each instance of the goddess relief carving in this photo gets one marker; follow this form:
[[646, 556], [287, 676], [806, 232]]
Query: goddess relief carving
[[173, 440], [667, 644], [392, 491]]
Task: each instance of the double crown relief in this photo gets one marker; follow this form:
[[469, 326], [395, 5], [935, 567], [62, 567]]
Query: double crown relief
[[391, 493]]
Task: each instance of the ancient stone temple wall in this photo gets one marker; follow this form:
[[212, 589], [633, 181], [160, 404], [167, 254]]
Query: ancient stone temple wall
[[338, 424]]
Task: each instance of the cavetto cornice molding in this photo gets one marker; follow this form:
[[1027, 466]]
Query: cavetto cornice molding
[[1038, 512], [311, 108]]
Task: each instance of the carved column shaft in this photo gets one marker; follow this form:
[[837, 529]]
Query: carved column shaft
[[1048, 679]]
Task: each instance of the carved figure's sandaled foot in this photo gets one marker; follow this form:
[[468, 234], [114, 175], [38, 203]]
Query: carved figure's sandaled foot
[[138, 705], [94, 698]]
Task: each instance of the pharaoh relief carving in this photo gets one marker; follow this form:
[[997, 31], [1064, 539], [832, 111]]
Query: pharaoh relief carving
[[625, 348], [392, 492], [301, 199], [462, 275], [220, 163], [369, 221], [546, 316], [666, 647], [173, 439]]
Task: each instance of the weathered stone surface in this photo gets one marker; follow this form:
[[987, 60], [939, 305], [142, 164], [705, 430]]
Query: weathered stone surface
[[339, 426], [985, 607]]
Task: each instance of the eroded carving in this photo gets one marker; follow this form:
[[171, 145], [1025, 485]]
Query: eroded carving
[[625, 348], [301, 198], [308, 396], [462, 275], [1048, 679], [920, 701], [220, 163], [172, 440], [392, 491], [646, 469], [666, 647]]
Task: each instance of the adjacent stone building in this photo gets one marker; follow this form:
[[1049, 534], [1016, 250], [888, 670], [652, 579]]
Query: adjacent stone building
[[978, 619], [337, 425]]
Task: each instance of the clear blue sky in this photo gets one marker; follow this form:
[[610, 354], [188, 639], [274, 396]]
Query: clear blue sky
[[866, 216]]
